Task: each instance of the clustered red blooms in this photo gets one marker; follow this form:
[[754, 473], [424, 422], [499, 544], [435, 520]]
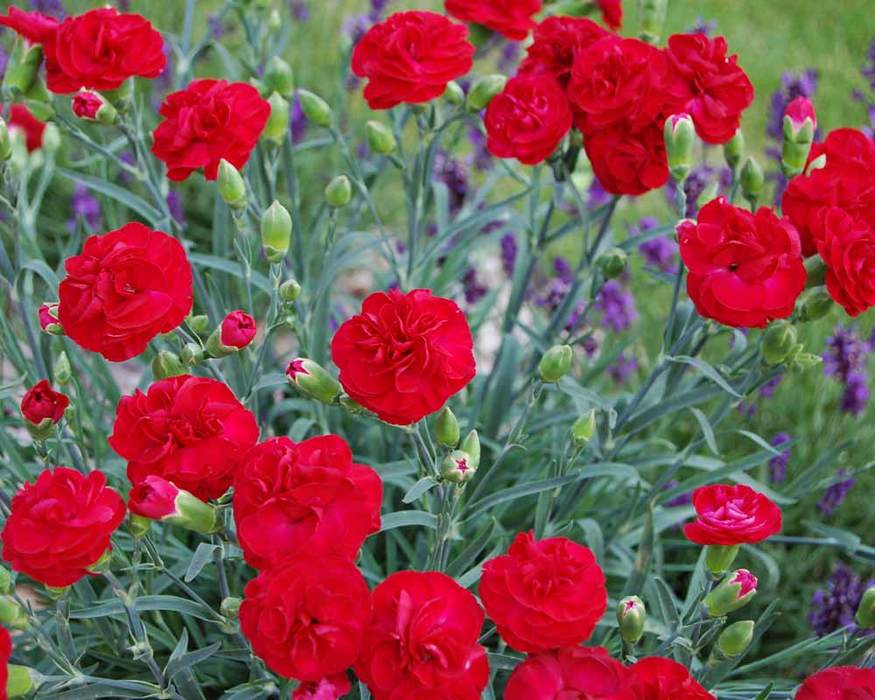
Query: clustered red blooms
[[208, 121], [20, 117], [839, 683], [405, 354], [731, 515], [5, 654], [745, 269], [60, 525], [42, 403], [410, 57], [237, 329], [620, 92], [123, 289], [513, 20], [99, 49], [191, 431]]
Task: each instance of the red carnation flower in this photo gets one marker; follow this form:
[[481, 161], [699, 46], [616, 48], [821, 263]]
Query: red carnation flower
[[745, 269], [410, 57], [86, 104], [295, 499], [528, 119], [663, 679], [711, 86], [405, 354], [573, 672], [191, 431], [61, 525], [730, 515], [207, 121], [847, 181], [627, 161], [331, 688], [42, 403], [544, 594], [557, 40], [36, 27], [123, 289], [422, 640], [514, 19], [306, 617], [612, 13], [847, 246], [5, 655], [238, 329], [20, 117], [839, 683]]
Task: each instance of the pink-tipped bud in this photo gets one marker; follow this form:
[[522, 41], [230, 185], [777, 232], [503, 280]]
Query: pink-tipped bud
[[800, 115], [680, 135], [734, 592], [799, 125], [155, 498], [43, 407], [48, 319], [92, 106], [238, 329]]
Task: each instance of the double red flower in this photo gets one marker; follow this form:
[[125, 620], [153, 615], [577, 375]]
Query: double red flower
[[513, 20], [839, 683], [730, 515]]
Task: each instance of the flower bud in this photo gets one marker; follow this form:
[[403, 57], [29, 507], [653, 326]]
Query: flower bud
[[752, 180], [814, 304], [92, 106], [5, 141], [48, 319], [680, 135], [276, 232], [167, 364], [779, 342], [237, 330], [583, 429], [652, 13], [799, 125], [483, 90], [338, 192], [733, 593], [733, 150], [191, 354], [12, 614], [719, 558], [613, 262], [22, 680], [156, 498], [277, 127], [446, 431], [380, 138], [555, 363], [631, 616], [42, 407], [457, 468], [22, 67], [471, 446], [313, 380], [290, 290], [63, 370], [51, 138], [315, 108], [230, 607], [199, 324], [232, 188], [865, 616], [278, 77], [735, 639], [454, 94]]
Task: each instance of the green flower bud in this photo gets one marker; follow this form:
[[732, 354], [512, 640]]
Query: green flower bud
[[63, 370], [12, 615], [454, 94], [814, 304], [51, 138], [232, 187], [483, 90], [471, 446], [191, 354], [583, 429], [278, 77], [652, 13], [22, 67], [5, 141], [166, 364], [458, 468], [41, 431], [315, 108], [338, 193], [631, 616], [733, 149], [735, 639], [752, 180], [733, 593], [230, 607], [22, 680], [276, 232], [680, 135], [555, 363], [380, 138], [6, 586], [806, 360], [778, 342], [815, 272], [865, 616], [290, 290], [718, 559], [613, 262], [313, 380], [446, 431], [199, 324], [277, 127]]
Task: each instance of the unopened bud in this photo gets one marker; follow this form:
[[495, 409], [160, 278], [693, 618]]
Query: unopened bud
[[22, 67], [167, 364], [276, 232], [191, 354], [63, 370], [779, 341], [236, 331], [22, 680], [752, 180], [48, 319], [156, 498], [199, 323], [338, 193], [718, 559], [446, 430], [735, 639], [278, 77], [92, 106], [555, 363], [483, 90], [805, 360], [652, 14], [733, 593], [613, 262], [274, 20], [312, 380], [583, 428], [799, 124], [315, 108], [12, 614], [51, 138], [232, 188], [290, 290], [458, 468], [138, 526], [814, 304], [380, 138], [277, 127], [631, 616], [865, 616], [733, 150], [471, 446], [680, 135], [454, 94], [230, 607]]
